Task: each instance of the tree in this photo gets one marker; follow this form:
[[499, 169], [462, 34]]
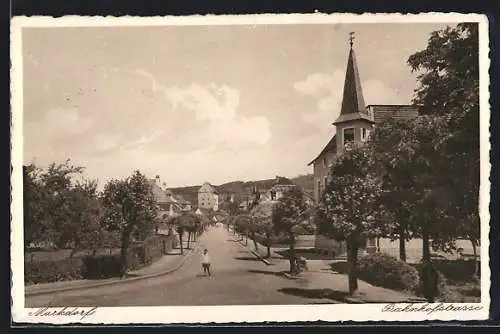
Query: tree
[[36, 225], [244, 225], [84, 204], [129, 207], [186, 222], [350, 208], [57, 182], [291, 216], [59, 210], [232, 208], [262, 216], [449, 86], [394, 144]]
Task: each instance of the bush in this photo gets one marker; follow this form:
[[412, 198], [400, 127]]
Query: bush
[[456, 270], [52, 271], [104, 266], [443, 288], [388, 272]]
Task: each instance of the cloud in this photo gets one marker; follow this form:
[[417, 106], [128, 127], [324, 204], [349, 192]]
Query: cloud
[[376, 92], [316, 83], [217, 106], [211, 102], [326, 90], [127, 115]]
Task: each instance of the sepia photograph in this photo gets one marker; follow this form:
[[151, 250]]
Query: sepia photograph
[[312, 163]]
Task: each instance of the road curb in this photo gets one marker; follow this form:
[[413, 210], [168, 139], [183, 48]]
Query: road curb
[[261, 258], [118, 281], [254, 253]]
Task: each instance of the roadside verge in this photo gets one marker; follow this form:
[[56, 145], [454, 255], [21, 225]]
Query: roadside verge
[[88, 285], [256, 254]]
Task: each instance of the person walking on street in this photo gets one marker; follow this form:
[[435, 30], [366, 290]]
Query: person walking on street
[[205, 263]]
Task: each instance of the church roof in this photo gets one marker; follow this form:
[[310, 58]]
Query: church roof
[[382, 112], [352, 98]]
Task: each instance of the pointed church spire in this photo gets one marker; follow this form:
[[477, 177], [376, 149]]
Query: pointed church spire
[[352, 100]]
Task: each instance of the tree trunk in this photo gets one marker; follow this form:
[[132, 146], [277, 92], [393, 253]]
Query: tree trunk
[[476, 262], [378, 244], [180, 242], [268, 237], [426, 252], [255, 242], [124, 251], [402, 242], [352, 259], [291, 255]]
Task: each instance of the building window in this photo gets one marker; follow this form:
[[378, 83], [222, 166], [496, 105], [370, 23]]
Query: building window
[[348, 135], [325, 162], [325, 181], [365, 133], [319, 189]]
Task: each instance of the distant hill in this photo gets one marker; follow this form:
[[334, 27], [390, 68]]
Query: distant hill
[[306, 182], [241, 189]]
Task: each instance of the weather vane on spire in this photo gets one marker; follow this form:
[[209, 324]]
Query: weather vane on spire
[[351, 38]]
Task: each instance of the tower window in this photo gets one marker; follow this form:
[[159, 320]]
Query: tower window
[[365, 133], [348, 135]]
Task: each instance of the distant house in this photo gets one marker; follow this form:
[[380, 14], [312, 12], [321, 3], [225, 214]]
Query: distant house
[[169, 203], [354, 124], [208, 197], [280, 187], [207, 213]]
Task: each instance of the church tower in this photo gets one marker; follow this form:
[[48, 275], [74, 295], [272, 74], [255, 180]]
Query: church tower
[[354, 123]]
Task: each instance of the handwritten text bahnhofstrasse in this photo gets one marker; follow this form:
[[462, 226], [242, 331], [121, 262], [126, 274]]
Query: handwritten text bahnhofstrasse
[[431, 308]]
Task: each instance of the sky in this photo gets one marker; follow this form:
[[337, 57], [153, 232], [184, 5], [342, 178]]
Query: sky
[[198, 104]]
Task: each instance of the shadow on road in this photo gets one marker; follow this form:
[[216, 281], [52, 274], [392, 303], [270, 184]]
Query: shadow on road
[[307, 253], [266, 272], [247, 258], [338, 296], [339, 267]]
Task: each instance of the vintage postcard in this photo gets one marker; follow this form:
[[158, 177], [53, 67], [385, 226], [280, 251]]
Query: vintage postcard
[[250, 168]]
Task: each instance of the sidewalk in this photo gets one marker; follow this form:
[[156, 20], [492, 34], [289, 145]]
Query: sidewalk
[[322, 280], [261, 253], [165, 265]]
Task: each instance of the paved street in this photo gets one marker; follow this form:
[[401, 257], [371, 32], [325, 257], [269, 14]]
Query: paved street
[[238, 278]]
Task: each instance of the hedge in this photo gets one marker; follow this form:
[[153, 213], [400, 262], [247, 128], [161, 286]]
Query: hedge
[[103, 266], [53, 271], [100, 266], [388, 272]]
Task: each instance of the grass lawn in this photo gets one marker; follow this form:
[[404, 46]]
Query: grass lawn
[[60, 254]]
